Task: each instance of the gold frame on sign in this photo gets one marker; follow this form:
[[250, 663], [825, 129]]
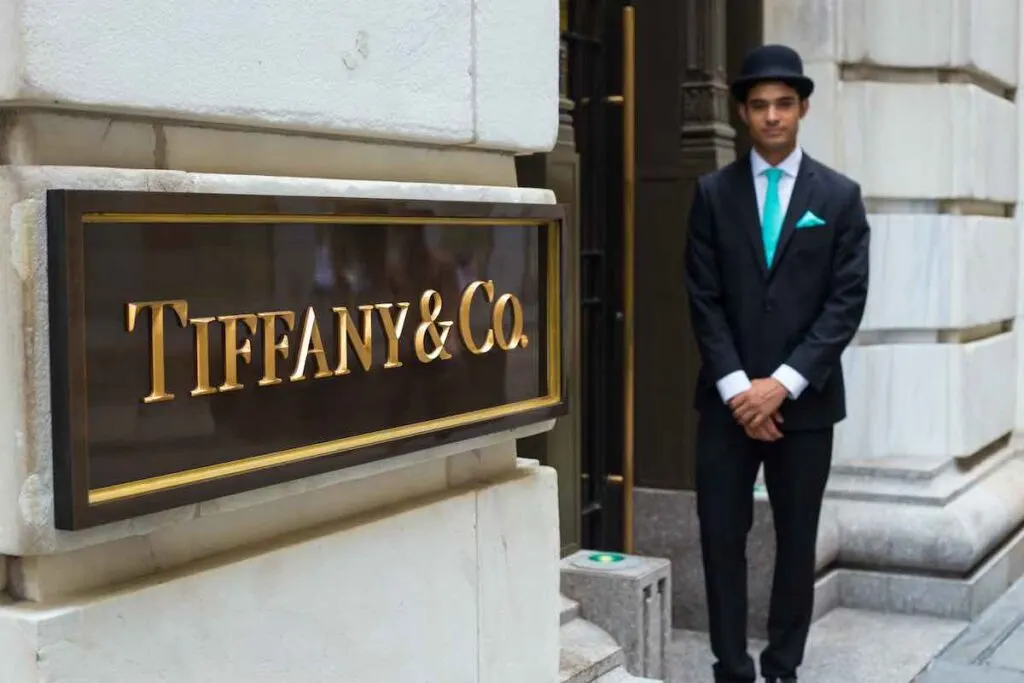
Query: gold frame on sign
[[199, 475]]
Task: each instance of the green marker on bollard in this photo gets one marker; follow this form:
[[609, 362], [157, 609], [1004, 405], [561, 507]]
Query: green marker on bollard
[[606, 558]]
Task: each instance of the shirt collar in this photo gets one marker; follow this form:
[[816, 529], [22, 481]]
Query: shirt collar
[[790, 165]]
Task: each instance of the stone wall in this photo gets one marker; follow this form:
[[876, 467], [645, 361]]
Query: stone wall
[[916, 101], [438, 565]]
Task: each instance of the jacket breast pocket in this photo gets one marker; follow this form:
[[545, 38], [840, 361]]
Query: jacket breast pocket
[[813, 239]]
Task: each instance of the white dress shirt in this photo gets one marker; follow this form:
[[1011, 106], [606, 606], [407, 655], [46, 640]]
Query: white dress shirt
[[737, 382]]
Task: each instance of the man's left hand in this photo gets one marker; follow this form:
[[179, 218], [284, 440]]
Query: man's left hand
[[759, 403]]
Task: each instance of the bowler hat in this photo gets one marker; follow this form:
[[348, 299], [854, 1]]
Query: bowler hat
[[772, 63]]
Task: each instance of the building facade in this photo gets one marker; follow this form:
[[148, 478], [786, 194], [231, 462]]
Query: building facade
[[442, 563], [439, 564], [923, 511]]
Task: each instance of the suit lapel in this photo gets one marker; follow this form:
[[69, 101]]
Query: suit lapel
[[803, 192], [746, 201]]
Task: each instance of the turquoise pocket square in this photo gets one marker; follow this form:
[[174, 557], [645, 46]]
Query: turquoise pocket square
[[809, 220]]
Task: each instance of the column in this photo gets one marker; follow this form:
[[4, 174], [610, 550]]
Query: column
[[707, 137], [927, 478]]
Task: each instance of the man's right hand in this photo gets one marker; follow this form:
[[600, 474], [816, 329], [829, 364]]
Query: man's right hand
[[767, 430]]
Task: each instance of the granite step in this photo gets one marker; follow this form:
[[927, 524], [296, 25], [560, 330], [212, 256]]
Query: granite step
[[570, 610], [620, 675], [587, 653]]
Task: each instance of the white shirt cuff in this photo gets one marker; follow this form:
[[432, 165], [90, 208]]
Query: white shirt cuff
[[794, 382], [732, 385]]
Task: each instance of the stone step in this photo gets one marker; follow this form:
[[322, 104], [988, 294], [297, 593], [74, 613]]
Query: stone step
[[587, 653], [570, 610], [620, 675]]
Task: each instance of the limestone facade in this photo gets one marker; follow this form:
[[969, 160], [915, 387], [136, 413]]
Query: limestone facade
[[438, 565], [917, 101]]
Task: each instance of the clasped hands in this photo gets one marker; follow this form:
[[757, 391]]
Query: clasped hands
[[757, 409]]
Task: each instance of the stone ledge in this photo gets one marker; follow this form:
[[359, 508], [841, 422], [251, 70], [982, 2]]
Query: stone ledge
[[953, 598], [922, 481], [851, 73], [40, 137], [967, 538], [951, 538], [586, 653]]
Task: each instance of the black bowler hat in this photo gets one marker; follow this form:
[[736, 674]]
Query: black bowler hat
[[772, 63]]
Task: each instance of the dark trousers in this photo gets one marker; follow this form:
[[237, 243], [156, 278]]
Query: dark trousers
[[796, 470]]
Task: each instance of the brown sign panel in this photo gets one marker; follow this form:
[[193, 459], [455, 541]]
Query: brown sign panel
[[203, 345]]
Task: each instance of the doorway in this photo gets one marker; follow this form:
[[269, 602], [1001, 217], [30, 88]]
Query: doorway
[[631, 414], [599, 45]]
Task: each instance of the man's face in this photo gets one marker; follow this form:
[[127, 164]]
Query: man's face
[[772, 112]]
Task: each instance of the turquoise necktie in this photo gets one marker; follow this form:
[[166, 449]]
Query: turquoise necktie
[[771, 220]]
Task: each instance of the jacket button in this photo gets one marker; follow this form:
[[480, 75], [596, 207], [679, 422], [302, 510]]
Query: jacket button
[[769, 306]]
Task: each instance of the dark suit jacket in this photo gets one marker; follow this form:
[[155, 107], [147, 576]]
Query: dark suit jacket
[[802, 312]]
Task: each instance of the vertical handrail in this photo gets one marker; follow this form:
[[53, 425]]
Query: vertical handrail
[[628, 247]]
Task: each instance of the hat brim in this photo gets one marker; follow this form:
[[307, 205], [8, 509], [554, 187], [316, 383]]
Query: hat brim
[[803, 85]]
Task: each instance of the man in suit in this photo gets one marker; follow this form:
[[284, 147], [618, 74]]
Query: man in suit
[[777, 272]]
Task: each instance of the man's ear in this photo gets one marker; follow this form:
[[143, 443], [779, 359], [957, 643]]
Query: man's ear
[[741, 108], [805, 106]]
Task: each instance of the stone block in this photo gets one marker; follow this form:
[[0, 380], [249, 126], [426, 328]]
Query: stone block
[[518, 598], [345, 593], [26, 515], [929, 141], [941, 272], [361, 67], [516, 46], [948, 34], [927, 400], [446, 72], [811, 27], [821, 129], [225, 622], [630, 598], [221, 526]]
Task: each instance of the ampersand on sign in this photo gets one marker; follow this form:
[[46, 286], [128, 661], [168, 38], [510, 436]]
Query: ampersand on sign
[[430, 309]]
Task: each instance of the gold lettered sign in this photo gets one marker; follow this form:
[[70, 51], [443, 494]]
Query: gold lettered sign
[[203, 345]]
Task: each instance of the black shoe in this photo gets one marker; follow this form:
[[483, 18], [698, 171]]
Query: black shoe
[[780, 680]]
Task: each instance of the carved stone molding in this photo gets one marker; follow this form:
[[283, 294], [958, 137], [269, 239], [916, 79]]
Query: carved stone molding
[[706, 137]]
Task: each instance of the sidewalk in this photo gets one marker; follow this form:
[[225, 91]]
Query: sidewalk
[[845, 646], [990, 650], [854, 646]]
